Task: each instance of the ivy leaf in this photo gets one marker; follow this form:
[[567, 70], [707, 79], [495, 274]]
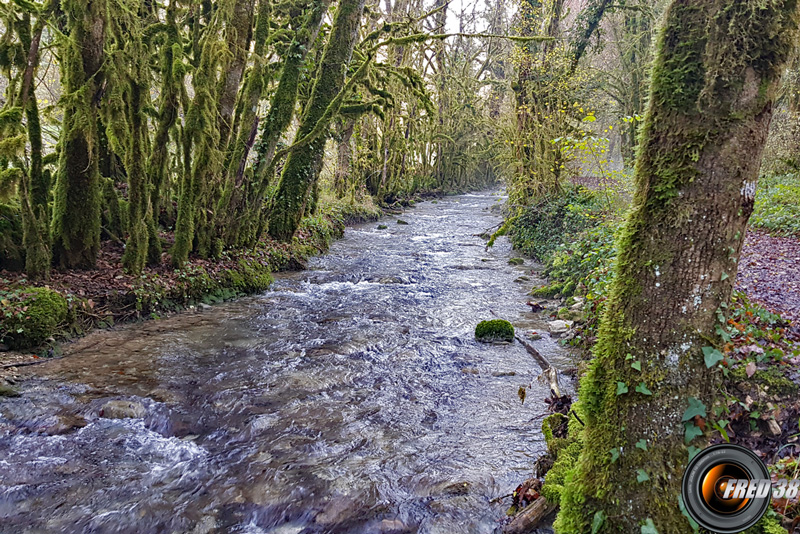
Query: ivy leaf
[[692, 431], [614, 455], [621, 388], [637, 365], [642, 388], [696, 407], [641, 476], [692, 522], [693, 451], [597, 522], [649, 527], [712, 356], [642, 444]]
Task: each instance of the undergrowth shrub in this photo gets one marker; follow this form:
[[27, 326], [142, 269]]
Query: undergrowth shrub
[[777, 207]]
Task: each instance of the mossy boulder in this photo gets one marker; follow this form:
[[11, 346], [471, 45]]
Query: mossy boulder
[[515, 261], [8, 391], [567, 314], [250, 276], [36, 315], [494, 330]]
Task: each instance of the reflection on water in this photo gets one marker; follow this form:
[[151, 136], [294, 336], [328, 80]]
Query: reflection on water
[[350, 398]]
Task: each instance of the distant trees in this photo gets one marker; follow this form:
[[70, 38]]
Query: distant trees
[[177, 116]]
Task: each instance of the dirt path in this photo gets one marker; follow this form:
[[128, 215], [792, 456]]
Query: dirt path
[[769, 272]]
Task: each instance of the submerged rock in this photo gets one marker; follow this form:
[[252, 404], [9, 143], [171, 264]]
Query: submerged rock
[[494, 330], [7, 391], [515, 261], [120, 409], [382, 227], [65, 424], [401, 221], [391, 280]]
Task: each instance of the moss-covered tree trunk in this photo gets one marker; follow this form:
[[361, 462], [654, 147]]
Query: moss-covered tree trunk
[[172, 75], [244, 133], [202, 154], [76, 211], [283, 102], [303, 164], [239, 31], [35, 185], [715, 77]]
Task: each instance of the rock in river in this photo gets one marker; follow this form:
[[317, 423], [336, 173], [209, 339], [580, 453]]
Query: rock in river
[[121, 409], [559, 327]]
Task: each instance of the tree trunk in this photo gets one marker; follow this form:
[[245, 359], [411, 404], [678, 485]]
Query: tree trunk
[[76, 210], [715, 77], [343, 154], [238, 33], [281, 110], [35, 185], [172, 75], [303, 164]]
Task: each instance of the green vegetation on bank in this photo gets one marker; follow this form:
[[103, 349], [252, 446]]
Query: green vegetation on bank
[[777, 207], [573, 235]]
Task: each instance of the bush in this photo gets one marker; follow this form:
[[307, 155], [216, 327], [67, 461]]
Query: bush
[[541, 228], [777, 207], [494, 330]]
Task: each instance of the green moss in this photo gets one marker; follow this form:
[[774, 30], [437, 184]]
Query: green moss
[[773, 379], [250, 276], [567, 314], [515, 261], [12, 254], [768, 524], [45, 311], [6, 391], [494, 330], [564, 451], [548, 291]]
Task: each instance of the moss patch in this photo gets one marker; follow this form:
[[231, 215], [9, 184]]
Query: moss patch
[[771, 378], [494, 330], [35, 314]]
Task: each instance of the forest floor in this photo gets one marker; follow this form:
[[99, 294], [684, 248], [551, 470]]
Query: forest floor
[[769, 273]]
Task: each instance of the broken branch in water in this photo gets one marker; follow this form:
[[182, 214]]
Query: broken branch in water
[[548, 371]]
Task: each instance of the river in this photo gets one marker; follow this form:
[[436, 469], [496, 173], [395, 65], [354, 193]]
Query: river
[[350, 398]]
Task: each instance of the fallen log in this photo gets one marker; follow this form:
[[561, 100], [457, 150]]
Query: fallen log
[[548, 371], [530, 517]]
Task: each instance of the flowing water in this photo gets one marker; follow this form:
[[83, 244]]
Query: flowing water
[[352, 397]]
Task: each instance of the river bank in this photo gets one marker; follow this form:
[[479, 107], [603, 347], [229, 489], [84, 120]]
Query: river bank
[[37, 316]]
